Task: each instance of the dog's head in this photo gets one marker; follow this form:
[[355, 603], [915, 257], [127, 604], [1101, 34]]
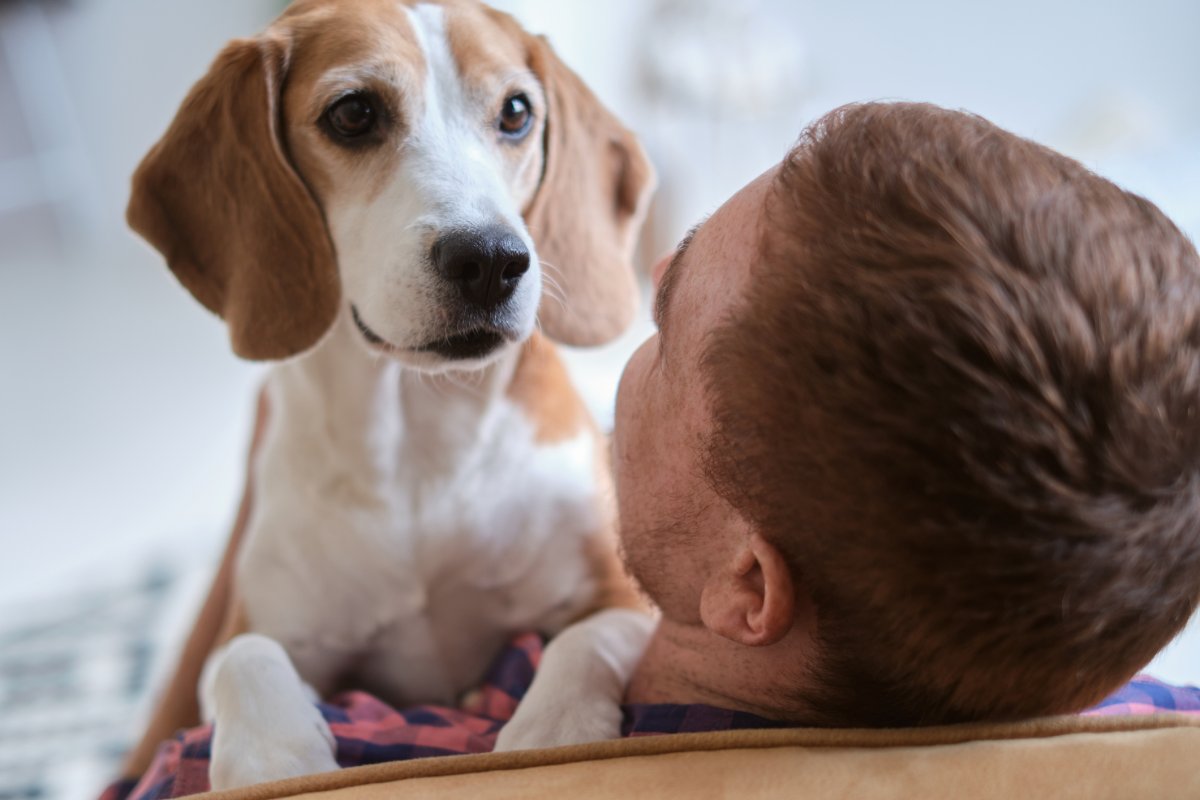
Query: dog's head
[[429, 169]]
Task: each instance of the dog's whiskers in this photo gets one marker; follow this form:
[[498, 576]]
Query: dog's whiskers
[[551, 273], [552, 287], [470, 385], [431, 383]]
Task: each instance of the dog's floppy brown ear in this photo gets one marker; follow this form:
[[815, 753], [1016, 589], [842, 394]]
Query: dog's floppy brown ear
[[587, 213], [218, 197]]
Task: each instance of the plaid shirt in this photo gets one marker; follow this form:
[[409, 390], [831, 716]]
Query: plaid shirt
[[370, 732]]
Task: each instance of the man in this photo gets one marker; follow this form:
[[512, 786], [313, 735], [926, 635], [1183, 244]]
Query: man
[[917, 443], [918, 440]]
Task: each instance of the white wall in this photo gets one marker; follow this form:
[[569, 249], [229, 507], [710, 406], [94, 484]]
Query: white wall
[[131, 62], [1111, 82], [121, 409]]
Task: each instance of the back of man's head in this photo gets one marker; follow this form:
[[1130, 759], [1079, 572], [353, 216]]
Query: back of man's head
[[963, 397]]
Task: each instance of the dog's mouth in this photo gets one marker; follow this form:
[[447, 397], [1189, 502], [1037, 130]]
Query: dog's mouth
[[471, 344], [371, 336]]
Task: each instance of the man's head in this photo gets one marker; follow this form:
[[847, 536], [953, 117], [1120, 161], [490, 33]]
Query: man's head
[[928, 396]]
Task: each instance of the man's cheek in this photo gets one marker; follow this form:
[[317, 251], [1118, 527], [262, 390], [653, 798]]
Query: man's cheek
[[631, 392], [635, 369]]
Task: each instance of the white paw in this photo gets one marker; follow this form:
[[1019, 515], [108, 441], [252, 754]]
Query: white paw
[[534, 727], [576, 694], [248, 755]]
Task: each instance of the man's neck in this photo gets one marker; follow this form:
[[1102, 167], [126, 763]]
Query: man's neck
[[690, 665]]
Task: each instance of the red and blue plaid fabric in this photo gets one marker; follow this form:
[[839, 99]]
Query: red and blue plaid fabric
[[1145, 695], [370, 732]]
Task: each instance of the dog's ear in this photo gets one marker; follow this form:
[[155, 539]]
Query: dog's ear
[[219, 198], [588, 210]]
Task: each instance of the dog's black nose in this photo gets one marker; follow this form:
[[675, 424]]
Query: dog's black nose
[[486, 264]]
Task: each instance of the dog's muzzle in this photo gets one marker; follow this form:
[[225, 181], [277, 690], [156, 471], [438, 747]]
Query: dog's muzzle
[[481, 270], [486, 265]]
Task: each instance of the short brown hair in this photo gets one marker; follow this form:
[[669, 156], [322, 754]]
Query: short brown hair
[[963, 396]]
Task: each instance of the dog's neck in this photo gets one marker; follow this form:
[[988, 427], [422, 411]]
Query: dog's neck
[[379, 414]]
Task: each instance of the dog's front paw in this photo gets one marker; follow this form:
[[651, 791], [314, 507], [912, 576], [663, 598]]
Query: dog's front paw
[[247, 757], [576, 695], [536, 726]]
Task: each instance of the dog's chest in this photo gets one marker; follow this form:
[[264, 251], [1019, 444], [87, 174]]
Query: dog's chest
[[415, 575]]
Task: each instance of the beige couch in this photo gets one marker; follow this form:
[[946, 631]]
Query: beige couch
[[1157, 758]]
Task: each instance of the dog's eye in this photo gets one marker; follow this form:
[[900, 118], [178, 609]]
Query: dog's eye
[[516, 117], [352, 116]]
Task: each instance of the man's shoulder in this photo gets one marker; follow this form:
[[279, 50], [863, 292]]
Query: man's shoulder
[[657, 719]]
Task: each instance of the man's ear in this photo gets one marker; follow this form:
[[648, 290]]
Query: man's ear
[[751, 599], [219, 198]]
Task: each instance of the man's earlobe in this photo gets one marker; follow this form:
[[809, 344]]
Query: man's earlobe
[[752, 599]]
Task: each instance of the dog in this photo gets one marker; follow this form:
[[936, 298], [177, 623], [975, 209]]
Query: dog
[[388, 199]]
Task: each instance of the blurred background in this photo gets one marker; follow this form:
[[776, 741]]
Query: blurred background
[[123, 415]]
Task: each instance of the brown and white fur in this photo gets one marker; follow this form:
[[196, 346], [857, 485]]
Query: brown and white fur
[[417, 501]]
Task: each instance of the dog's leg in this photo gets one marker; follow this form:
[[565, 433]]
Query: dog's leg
[[576, 695], [266, 724]]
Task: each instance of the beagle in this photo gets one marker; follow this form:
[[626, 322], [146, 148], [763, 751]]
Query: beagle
[[388, 199]]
